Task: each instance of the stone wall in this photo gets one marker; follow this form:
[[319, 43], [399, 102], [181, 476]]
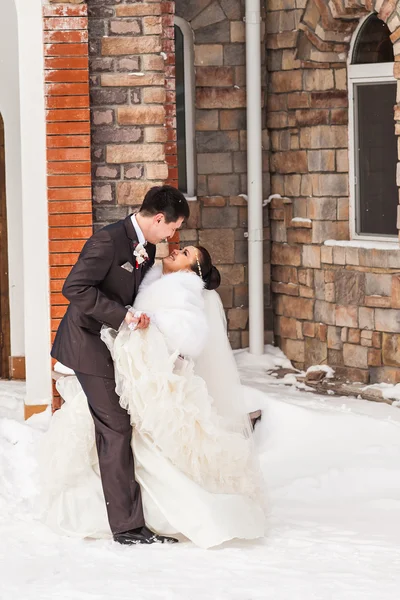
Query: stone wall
[[219, 215], [133, 128], [132, 103], [333, 304]]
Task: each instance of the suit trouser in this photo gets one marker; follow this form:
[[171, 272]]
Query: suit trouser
[[113, 440]]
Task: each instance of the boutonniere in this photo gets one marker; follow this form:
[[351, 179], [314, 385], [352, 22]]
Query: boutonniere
[[140, 253]]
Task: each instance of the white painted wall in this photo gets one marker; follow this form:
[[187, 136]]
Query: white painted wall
[[23, 109]]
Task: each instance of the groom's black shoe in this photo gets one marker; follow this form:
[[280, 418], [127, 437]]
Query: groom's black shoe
[[142, 535]]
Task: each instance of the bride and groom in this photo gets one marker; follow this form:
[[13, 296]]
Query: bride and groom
[[171, 449]]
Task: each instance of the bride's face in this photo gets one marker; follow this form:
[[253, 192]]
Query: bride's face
[[180, 260]]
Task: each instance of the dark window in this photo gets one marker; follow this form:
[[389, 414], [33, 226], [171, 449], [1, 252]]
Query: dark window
[[180, 110], [373, 43], [376, 158], [375, 142]]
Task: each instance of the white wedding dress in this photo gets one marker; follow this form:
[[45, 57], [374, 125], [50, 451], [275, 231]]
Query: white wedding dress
[[194, 456]]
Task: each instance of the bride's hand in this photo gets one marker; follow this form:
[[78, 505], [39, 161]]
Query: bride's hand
[[140, 321]]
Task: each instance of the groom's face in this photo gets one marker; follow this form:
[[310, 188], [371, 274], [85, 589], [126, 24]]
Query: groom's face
[[160, 230]]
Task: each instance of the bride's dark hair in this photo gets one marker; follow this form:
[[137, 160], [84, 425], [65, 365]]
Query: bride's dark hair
[[204, 268]]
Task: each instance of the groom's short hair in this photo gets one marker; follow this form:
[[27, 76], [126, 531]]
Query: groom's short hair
[[167, 200]]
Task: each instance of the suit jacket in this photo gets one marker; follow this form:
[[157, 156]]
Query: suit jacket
[[99, 290]]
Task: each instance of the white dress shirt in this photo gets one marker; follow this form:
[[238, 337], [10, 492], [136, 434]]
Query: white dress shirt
[[139, 232]]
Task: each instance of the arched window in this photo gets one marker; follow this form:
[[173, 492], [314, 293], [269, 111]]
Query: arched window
[[373, 143], [185, 130]]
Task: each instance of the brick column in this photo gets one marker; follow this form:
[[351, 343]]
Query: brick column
[[68, 144], [133, 104]]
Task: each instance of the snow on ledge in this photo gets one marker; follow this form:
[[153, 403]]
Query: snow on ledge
[[372, 245]]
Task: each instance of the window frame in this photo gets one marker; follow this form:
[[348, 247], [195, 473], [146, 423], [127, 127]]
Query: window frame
[[356, 74], [189, 79]]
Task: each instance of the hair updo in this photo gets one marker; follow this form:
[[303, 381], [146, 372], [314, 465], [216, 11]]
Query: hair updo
[[207, 272]]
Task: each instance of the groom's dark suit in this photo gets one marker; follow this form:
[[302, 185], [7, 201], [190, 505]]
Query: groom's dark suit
[[99, 289]]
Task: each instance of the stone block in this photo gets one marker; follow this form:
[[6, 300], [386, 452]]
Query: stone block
[[107, 172], [226, 295], [213, 201], [206, 120], [157, 171], [214, 162], [287, 81], [141, 115], [319, 285], [124, 135], [306, 292], [323, 230], [311, 257], [285, 274], [102, 117], [330, 292], [352, 256], [385, 375], [214, 76], [294, 349], [299, 236], [313, 117], [355, 356], [238, 318], [241, 296], [330, 99], [374, 357], [347, 316], [135, 153], [289, 162], [234, 54], [116, 46], [299, 308], [321, 331], [395, 291], [217, 141], [226, 216], [213, 13], [308, 329], [332, 184], [377, 284], [316, 352], [227, 98], [220, 243], [155, 135], [217, 33], [132, 192], [327, 254], [306, 277], [391, 349], [366, 318], [154, 95], [322, 209], [342, 161], [124, 27], [334, 338], [350, 287], [232, 119], [339, 255], [283, 254], [278, 231], [321, 160], [224, 184], [354, 336], [318, 79], [377, 301], [208, 54], [291, 289], [324, 136], [102, 193], [286, 327], [238, 31], [324, 312]]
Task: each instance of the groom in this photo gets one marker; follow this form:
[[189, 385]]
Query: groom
[[102, 283]]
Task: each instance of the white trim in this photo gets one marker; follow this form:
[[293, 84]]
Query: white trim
[[34, 202], [364, 73], [188, 53]]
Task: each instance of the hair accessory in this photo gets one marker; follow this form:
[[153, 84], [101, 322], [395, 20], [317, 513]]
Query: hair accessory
[[199, 267]]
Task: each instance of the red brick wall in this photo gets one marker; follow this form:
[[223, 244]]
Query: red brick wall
[[68, 144]]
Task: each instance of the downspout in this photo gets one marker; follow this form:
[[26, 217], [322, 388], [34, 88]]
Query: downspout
[[254, 177]]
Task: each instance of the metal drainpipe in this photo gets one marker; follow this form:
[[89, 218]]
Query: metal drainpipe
[[254, 176]]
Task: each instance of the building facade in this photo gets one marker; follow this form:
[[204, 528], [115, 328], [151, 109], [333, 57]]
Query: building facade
[[106, 98]]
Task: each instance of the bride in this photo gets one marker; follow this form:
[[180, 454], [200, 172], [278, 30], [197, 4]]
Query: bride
[[192, 442]]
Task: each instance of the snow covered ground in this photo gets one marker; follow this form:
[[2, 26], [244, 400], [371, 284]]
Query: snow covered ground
[[333, 472]]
